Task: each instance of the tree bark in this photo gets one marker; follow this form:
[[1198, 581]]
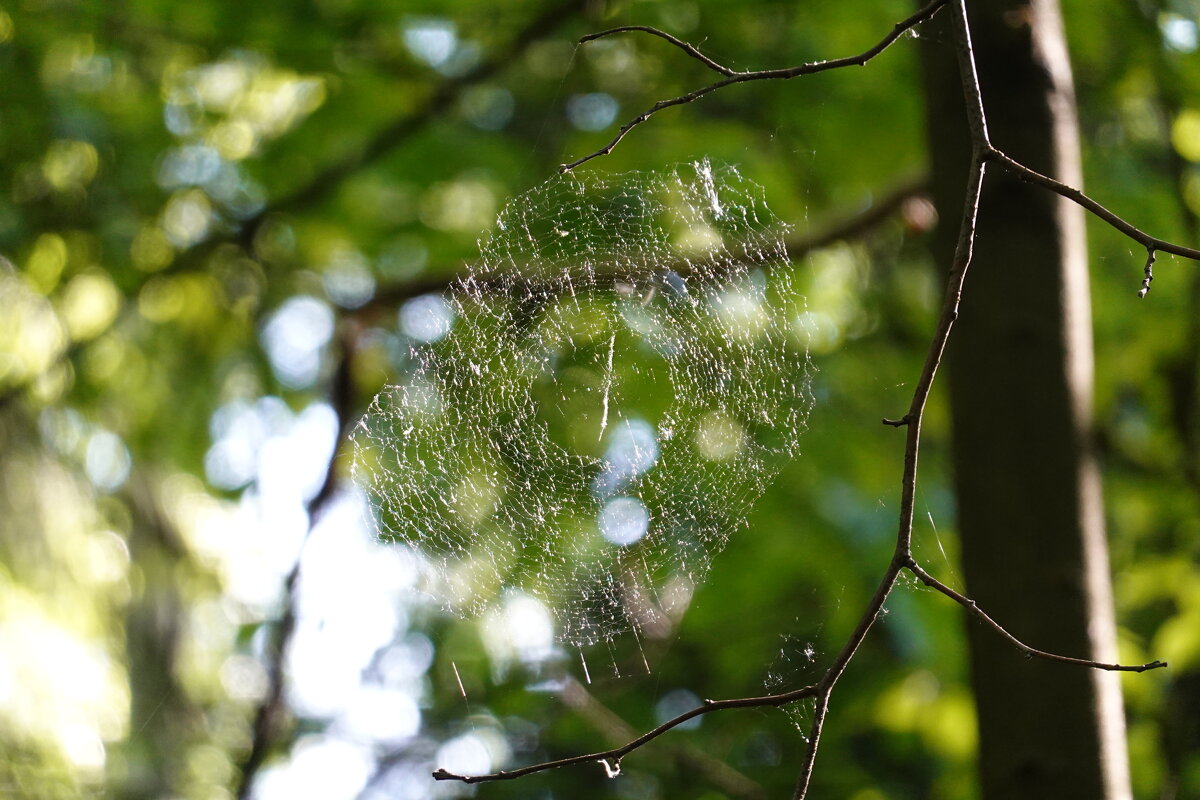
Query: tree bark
[[1029, 498]]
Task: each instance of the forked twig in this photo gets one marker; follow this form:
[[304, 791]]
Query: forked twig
[[732, 77], [1071, 193], [916, 411], [682, 45], [983, 152], [720, 774], [990, 152], [612, 758], [1030, 652]]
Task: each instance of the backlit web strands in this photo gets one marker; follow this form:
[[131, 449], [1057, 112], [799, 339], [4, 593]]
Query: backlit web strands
[[591, 414]]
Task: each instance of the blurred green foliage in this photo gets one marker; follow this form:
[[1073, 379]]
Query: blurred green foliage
[[173, 176]]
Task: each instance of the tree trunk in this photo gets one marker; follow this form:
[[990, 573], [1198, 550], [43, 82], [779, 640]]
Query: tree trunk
[[162, 719], [1029, 499]]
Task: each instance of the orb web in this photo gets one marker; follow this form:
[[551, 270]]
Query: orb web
[[590, 413]]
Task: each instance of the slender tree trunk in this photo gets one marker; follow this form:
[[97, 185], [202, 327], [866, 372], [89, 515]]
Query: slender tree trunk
[[162, 720], [1029, 497]]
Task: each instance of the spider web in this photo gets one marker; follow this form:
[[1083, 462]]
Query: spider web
[[590, 414]]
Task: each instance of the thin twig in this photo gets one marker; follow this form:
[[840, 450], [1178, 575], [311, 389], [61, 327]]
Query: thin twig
[[982, 153], [613, 757], [1071, 193], [916, 411], [732, 77], [991, 153], [825, 687], [723, 776], [1030, 652], [575, 695], [682, 45]]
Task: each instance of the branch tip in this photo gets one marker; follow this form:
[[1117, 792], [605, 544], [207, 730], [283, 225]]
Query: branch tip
[[983, 152], [1029, 652], [1074, 195], [730, 76]]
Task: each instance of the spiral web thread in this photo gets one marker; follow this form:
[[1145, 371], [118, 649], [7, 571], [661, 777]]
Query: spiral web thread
[[590, 414]]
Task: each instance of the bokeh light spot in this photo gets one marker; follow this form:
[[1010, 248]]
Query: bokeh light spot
[[592, 112], [624, 520]]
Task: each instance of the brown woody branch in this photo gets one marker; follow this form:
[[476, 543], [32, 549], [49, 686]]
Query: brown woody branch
[[577, 697], [916, 409], [1151, 243], [989, 152], [613, 757], [682, 45], [732, 77], [720, 774], [1030, 652], [902, 559]]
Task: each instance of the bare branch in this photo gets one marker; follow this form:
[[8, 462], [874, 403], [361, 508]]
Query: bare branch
[[1071, 193], [916, 412], [719, 773], [844, 656], [982, 153], [976, 119], [912, 421], [682, 45], [1030, 652], [810, 68], [612, 758]]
